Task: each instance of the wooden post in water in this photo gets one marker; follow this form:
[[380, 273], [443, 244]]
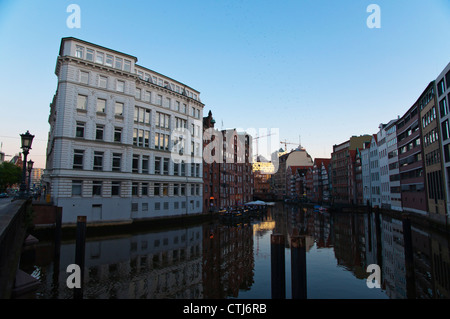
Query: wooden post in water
[[298, 267], [409, 257], [57, 252], [80, 253], [278, 276]]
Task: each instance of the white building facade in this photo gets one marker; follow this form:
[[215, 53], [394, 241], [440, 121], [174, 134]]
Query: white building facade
[[375, 184], [394, 175], [114, 126]]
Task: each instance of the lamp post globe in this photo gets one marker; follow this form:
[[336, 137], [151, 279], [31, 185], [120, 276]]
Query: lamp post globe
[[27, 140]]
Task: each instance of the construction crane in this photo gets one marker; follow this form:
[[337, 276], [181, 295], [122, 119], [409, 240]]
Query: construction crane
[[286, 143], [258, 137]]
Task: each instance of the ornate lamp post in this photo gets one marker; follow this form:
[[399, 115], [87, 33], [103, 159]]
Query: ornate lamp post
[[29, 168], [27, 139]]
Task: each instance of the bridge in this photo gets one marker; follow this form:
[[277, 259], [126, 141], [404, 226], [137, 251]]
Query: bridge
[[15, 219]]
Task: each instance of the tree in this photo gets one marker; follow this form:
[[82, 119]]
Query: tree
[[10, 174]]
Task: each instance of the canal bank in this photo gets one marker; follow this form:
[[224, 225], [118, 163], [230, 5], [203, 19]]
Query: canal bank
[[47, 223]]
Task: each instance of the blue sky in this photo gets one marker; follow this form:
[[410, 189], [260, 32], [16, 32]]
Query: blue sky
[[312, 69]]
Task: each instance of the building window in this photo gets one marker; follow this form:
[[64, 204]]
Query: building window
[[162, 120], [135, 137], [116, 162], [127, 65], [165, 189], [134, 189], [135, 167], [98, 161], [101, 106], [78, 156], [79, 52], [90, 55], [445, 130], [120, 86], [147, 96], [144, 189], [176, 189], [138, 94], [157, 206], [159, 100], [157, 165], [443, 108], [118, 64], [441, 87], [115, 188], [76, 188], [80, 129], [146, 139], [157, 189], [109, 60], [84, 77], [145, 164], [82, 102], [117, 134], [96, 188], [99, 132], [118, 109], [167, 102], [165, 166], [100, 57], [102, 81]]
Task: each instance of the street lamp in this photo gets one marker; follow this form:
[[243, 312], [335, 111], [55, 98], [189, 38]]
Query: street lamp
[[27, 139], [29, 168]]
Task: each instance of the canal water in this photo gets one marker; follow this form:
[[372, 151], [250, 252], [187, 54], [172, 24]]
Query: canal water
[[236, 260]]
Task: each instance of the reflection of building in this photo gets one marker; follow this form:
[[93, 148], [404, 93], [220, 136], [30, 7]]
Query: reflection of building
[[227, 260], [112, 131], [152, 265]]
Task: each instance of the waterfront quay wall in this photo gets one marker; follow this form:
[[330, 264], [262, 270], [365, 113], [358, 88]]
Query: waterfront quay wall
[[13, 230]]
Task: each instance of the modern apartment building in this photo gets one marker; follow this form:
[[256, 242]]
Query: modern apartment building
[[375, 184], [433, 168], [125, 142], [443, 101], [410, 157]]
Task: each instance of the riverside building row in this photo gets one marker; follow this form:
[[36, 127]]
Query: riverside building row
[[114, 129], [405, 166]]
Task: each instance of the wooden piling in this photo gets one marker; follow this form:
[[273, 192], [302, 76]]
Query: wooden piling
[[278, 276], [80, 253], [298, 267]]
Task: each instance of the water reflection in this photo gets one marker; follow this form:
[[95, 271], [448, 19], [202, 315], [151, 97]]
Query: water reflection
[[414, 260], [215, 260]]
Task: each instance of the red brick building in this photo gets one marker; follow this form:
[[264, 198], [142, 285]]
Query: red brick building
[[227, 169]]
